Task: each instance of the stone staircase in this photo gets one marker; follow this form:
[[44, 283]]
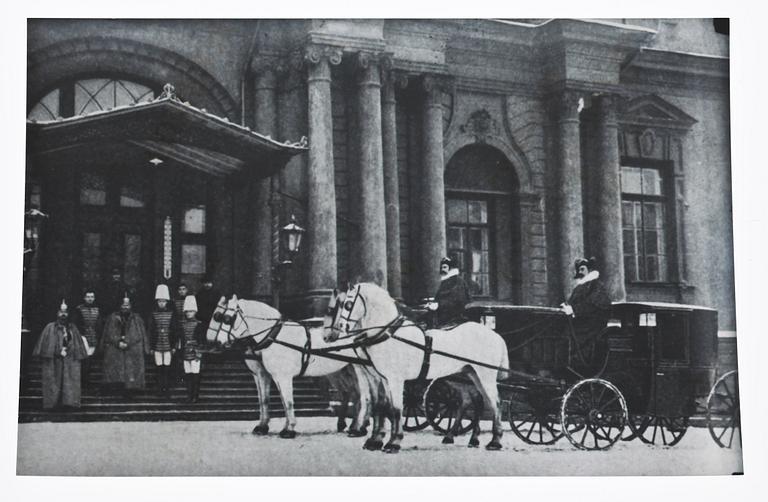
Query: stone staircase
[[227, 392]]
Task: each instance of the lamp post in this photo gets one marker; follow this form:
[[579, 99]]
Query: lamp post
[[290, 237]]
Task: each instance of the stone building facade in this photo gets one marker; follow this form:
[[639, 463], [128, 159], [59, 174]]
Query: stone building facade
[[514, 146]]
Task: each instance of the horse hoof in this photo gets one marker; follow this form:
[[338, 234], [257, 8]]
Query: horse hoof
[[447, 440], [363, 430], [493, 446], [391, 448], [352, 433], [473, 443], [341, 425], [373, 445], [286, 434], [260, 430]]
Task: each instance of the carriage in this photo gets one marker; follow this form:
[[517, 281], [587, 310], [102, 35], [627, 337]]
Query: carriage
[[649, 375]]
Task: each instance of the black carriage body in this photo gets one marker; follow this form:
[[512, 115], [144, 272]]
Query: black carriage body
[[661, 356]]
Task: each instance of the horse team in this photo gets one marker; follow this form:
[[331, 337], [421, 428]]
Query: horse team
[[361, 327]]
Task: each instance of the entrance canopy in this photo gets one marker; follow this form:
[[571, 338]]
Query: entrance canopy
[[167, 128]]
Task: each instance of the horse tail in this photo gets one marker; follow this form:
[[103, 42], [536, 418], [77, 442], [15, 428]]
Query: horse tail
[[503, 373]]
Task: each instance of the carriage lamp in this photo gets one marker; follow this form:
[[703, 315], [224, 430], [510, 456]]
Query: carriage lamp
[[292, 234]]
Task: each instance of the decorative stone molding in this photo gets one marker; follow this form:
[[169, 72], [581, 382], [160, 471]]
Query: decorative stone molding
[[653, 111], [314, 53], [481, 125]]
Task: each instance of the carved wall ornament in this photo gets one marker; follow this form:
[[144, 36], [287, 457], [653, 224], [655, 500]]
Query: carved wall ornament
[[481, 125], [647, 143]]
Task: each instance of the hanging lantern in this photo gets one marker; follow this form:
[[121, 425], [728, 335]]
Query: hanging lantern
[[292, 235]]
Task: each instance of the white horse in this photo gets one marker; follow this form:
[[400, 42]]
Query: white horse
[[282, 358], [397, 353]]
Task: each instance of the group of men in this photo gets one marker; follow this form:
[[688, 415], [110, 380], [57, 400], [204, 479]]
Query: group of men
[[123, 341]]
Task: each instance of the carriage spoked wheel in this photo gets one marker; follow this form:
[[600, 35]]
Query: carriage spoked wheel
[[652, 429], [413, 409], [593, 414], [723, 412], [445, 402], [536, 427]]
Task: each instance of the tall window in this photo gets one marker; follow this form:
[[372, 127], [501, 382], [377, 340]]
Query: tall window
[[193, 247], [644, 224], [469, 241], [89, 95]]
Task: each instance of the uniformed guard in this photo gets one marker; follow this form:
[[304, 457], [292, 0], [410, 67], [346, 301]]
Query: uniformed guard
[[162, 330], [191, 341], [87, 317]]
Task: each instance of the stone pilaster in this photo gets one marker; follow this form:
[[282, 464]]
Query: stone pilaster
[[570, 226], [373, 249], [607, 192], [265, 122], [433, 239], [321, 231], [391, 180]]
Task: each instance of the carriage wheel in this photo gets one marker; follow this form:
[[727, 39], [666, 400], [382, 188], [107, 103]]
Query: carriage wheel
[[413, 419], [441, 405], [413, 409], [593, 414], [723, 412], [536, 428], [637, 426], [652, 429]]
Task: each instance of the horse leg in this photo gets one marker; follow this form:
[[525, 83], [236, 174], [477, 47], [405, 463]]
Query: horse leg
[[487, 387], [396, 396], [458, 414], [358, 427], [474, 440], [285, 386], [263, 383], [378, 409]]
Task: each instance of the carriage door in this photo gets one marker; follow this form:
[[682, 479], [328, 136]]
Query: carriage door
[[672, 391], [114, 233]]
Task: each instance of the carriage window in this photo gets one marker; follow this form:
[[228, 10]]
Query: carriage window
[[468, 237], [672, 337], [644, 224]]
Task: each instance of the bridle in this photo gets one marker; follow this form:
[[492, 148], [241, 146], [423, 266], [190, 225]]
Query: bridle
[[229, 320], [349, 307]]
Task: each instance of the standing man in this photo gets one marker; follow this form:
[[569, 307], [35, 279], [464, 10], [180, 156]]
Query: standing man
[[191, 341], [61, 349], [178, 309], [125, 343], [162, 331], [87, 318], [452, 295], [590, 308], [115, 291], [207, 299]]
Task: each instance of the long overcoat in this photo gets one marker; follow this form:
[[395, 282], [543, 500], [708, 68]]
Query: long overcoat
[[60, 374], [591, 311], [451, 297], [125, 365]]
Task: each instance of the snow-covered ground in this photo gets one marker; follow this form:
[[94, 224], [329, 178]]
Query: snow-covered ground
[[228, 448]]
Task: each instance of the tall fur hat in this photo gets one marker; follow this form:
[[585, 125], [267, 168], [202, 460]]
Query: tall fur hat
[[190, 304], [161, 292]]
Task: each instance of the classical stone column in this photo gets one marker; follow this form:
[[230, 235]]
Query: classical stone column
[[321, 231], [607, 190], [570, 227], [265, 122], [433, 240], [373, 248], [391, 183]]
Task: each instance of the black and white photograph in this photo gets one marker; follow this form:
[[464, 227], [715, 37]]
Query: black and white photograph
[[390, 246]]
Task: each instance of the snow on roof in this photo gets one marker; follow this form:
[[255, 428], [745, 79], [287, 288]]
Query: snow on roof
[[591, 21], [169, 95]]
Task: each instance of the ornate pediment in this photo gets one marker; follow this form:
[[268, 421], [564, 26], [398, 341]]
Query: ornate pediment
[[481, 125], [652, 111]]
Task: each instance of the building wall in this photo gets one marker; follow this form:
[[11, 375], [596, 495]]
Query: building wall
[[503, 79]]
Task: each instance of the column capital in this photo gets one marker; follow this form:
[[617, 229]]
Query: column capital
[[262, 63], [435, 86], [606, 108], [316, 53], [566, 104]]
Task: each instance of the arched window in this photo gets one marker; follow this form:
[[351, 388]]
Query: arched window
[[85, 96]]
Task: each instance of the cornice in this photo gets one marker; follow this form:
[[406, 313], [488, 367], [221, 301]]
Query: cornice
[[346, 43]]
